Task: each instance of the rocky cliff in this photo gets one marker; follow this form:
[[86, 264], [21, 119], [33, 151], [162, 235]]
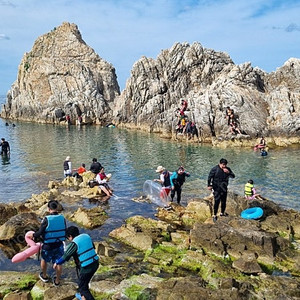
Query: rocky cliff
[[62, 76], [264, 103]]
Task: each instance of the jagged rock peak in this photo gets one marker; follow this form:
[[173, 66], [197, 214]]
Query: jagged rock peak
[[62, 76], [263, 104]]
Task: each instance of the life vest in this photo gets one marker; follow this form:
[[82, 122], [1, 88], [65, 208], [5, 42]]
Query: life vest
[[167, 181], [66, 165], [56, 229], [248, 189], [85, 249]]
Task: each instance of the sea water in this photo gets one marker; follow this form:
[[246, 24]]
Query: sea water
[[38, 152]]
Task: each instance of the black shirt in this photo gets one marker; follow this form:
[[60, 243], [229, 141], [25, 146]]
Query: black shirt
[[95, 167], [218, 179]]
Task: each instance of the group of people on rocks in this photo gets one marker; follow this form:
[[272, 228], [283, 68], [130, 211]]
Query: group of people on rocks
[[184, 125], [217, 182], [96, 168], [53, 232]]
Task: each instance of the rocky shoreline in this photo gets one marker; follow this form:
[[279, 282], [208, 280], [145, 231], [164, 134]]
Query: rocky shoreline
[[177, 254]]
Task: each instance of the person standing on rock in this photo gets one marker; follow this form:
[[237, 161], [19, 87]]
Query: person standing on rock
[[67, 167], [218, 181], [53, 233], [177, 180], [83, 251], [164, 180]]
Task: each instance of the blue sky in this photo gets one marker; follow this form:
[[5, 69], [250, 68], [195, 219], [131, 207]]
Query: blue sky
[[264, 32]]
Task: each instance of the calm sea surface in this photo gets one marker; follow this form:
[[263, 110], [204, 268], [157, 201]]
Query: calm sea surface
[[38, 152]]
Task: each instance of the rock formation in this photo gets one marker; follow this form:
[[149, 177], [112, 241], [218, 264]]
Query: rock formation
[[210, 81], [62, 76]]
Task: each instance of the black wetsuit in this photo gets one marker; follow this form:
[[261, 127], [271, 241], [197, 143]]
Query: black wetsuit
[[4, 147], [218, 179]]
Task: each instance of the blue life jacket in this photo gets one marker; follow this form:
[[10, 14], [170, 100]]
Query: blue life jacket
[[56, 229], [86, 252]]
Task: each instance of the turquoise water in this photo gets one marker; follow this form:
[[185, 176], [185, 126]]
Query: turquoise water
[[38, 152]]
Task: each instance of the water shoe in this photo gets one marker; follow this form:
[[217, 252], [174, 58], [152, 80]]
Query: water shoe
[[54, 281], [44, 279]]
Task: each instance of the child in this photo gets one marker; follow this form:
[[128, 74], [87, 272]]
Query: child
[[83, 251], [53, 233], [250, 192]]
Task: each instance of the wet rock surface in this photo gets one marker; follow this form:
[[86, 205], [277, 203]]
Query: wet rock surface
[[179, 253]]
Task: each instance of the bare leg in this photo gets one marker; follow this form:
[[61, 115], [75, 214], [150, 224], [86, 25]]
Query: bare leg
[[104, 189], [58, 273], [44, 267]]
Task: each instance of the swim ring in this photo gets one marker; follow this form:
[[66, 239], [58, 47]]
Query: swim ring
[[252, 213]]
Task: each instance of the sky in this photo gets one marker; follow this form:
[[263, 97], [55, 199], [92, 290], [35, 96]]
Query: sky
[[263, 32]]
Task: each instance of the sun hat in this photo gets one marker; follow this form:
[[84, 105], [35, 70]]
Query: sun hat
[[68, 158], [160, 169]]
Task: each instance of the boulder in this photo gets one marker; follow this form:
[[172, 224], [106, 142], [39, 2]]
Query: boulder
[[12, 232], [247, 264], [6, 212], [88, 218], [234, 238], [142, 233]]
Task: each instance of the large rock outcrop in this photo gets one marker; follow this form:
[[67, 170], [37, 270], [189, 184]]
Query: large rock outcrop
[[210, 81], [62, 76]]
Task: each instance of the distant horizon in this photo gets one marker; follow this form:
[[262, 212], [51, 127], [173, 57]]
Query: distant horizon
[[265, 33]]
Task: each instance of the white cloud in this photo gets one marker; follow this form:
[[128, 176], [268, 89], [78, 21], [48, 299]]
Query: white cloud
[[121, 31]]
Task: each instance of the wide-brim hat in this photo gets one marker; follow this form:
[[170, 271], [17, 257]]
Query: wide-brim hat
[[68, 158], [160, 169]]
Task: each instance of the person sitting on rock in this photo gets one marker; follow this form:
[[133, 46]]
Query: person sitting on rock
[[250, 191], [102, 179], [183, 108], [234, 128], [95, 166], [78, 172]]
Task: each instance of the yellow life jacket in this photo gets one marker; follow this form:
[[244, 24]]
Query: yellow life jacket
[[248, 189]]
